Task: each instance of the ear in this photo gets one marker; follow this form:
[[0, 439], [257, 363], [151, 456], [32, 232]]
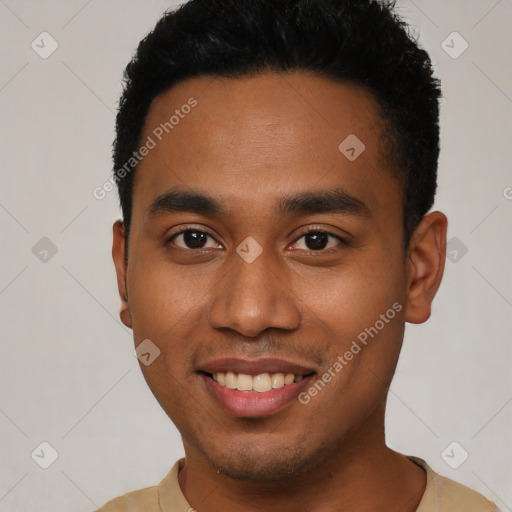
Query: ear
[[118, 255], [425, 266]]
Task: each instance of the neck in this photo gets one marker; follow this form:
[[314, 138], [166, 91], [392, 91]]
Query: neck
[[363, 474]]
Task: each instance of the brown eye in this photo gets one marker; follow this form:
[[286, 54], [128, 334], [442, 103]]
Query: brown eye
[[316, 240], [191, 239]]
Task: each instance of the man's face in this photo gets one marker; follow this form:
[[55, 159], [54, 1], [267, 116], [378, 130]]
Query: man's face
[[252, 145]]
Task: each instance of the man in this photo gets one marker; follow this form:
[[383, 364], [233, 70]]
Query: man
[[276, 162]]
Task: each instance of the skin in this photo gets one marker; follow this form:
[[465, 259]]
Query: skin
[[247, 143]]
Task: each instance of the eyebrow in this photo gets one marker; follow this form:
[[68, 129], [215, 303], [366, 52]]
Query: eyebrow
[[334, 200]]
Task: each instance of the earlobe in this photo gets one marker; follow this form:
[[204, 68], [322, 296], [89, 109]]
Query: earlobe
[[425, 266], [118, 255]]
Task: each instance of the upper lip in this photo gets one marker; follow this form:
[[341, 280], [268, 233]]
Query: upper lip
[[254, 366]]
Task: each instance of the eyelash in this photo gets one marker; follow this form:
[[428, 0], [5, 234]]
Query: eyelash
[[305, 233]]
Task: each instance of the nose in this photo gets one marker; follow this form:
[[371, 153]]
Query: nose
[[253, 297]]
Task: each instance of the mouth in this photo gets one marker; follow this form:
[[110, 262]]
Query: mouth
[[251, 389], [260, 383]]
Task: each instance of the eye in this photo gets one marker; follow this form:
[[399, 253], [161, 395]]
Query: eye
[[317, 240], [192, 239]]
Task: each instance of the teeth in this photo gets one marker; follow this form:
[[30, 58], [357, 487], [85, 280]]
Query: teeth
[[231, 380], [259, 383], [262, 383], [244, 382], [277, 380]]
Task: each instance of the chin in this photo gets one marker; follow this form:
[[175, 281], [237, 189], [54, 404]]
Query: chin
[[252, 463], [262, 470]]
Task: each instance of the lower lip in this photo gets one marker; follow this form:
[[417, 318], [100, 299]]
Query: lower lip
[[246, 404]]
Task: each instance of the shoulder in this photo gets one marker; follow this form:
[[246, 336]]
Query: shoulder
[[166, 495], [143, 499], [454, 496], [446, 495]]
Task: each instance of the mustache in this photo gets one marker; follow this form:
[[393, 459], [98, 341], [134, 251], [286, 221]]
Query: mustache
[[269, 345]]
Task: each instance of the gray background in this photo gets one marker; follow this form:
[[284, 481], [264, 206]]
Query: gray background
[[67, 370]]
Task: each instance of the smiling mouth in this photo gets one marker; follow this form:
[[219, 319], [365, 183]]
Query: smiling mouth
[[260, 383]]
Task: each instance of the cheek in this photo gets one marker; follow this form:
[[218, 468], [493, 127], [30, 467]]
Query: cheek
[[168, 304], [349, 298], [356, 313], [163, 297]]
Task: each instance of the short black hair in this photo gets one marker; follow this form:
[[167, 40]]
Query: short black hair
[[363, 42]]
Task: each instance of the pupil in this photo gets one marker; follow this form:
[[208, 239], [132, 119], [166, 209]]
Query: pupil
[[319, 240], [194, 239]]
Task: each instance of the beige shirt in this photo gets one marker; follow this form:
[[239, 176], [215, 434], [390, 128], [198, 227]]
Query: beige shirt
[[441, 495]]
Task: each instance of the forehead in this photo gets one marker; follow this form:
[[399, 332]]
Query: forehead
[[252, 139]]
